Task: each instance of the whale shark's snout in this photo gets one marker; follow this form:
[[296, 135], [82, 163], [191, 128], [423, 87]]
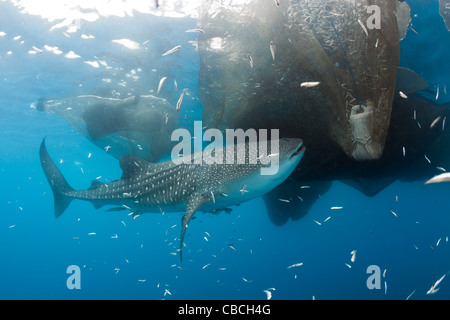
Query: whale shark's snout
[[291, 149], [284, 157], [299, 150]]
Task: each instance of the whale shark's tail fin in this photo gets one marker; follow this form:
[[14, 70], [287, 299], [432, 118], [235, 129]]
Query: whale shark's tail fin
[[57, 182]]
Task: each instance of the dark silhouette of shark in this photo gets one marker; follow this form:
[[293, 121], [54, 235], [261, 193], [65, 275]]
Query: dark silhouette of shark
[[416, 149]]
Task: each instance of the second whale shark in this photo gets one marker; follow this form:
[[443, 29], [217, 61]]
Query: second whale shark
[[176, 187]]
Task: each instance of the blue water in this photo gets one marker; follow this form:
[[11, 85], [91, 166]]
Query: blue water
[[131, 258]]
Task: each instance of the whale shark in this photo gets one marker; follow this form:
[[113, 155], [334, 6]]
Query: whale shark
[[177, 186], [139, 125]]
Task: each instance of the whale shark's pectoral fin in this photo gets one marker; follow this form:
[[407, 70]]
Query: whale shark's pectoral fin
[[193, 204]]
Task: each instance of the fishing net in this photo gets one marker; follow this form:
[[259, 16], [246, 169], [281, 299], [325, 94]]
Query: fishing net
[[254, 58]]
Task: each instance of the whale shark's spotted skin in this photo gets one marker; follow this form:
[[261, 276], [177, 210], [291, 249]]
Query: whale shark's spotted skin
[[172, 187]]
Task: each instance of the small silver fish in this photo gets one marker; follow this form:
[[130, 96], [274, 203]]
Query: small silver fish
[[243, 189], [250, 59], [167, 292], [37, 50], [404, 96], [180, 100], [195, 30], [413, 30], [161, 82], [443, 177], [309, 84], [363, 27], [171, 50], [268, 293], [353, 253], [434, 288], [272, 50], [407, 298], [298, 264]]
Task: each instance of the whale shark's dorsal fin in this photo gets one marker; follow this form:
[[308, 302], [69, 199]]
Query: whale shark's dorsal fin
[[133, 165], [193, 204]]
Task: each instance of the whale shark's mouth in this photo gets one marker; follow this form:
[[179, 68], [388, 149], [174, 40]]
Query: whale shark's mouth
[[300, 149]]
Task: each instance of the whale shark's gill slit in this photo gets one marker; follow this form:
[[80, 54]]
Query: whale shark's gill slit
[[299, 150]]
